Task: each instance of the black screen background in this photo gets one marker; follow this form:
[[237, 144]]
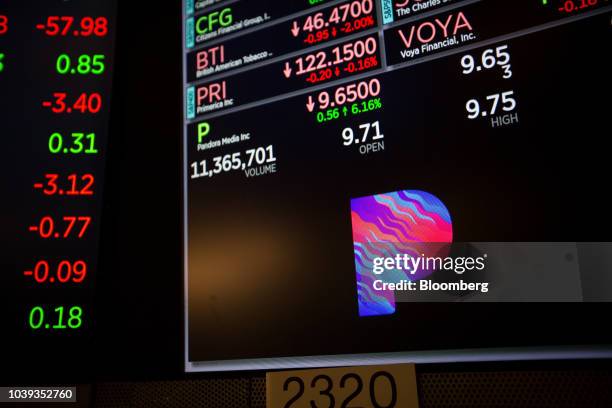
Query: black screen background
[[138, 322], [535, 181]]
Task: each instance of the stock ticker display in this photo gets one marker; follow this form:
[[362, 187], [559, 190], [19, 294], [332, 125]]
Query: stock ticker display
[[56, 62], [489, 117], [228, 223]]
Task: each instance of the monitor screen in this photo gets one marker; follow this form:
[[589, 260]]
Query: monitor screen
[[215, 185], [360, 176], [56, 71]]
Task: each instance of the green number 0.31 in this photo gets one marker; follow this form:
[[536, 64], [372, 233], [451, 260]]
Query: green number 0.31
[[77, 143]]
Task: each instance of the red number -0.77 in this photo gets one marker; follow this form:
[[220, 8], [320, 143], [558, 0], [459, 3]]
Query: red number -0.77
[[68, 227]]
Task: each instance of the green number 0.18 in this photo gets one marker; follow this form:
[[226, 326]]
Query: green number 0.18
[[37, 318]]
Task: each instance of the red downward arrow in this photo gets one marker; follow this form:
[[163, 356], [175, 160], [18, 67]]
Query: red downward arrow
[[310, 105], [296, 29], [287, 70]]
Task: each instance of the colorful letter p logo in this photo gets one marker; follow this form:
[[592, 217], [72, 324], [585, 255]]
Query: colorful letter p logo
[[386, 225]]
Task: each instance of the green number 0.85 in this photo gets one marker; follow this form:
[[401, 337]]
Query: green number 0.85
[[84, 65]]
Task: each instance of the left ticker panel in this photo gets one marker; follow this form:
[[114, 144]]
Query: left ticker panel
[[56, 64]]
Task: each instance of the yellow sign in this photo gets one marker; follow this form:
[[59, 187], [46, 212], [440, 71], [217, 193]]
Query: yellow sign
[[389, 386]]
